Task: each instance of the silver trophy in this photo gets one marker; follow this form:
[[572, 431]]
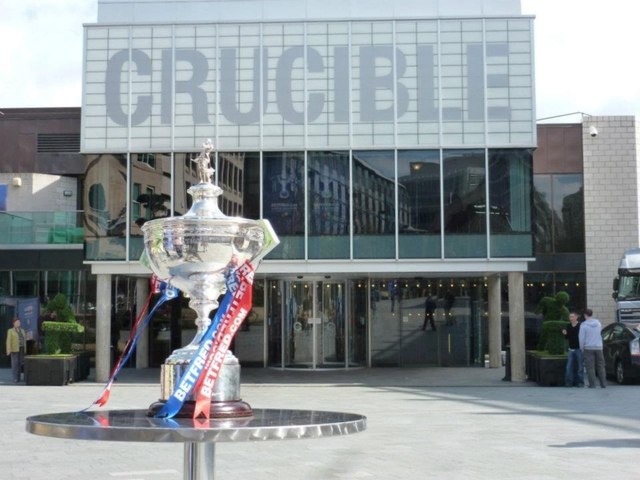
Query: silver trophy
[[195, 252]]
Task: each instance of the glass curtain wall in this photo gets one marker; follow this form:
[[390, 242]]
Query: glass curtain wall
[[558, 202], [465, 204], [510, 199], [328, 205], [150, 194], [374, 204], [283, 184], [419, 203], [105, 207], [401, 329], [249, 342]]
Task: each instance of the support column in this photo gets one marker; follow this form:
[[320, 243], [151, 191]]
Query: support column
[[142, 349], [495, 322], [103, 327], [516, 326]]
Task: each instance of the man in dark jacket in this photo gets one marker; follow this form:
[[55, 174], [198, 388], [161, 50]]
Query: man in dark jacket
[[574, 374], [429, 310]]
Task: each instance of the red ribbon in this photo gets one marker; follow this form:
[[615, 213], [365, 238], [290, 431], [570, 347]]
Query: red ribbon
[[229, 327]]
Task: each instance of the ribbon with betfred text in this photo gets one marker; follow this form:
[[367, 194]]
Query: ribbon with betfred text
[[191, 378], [229, 327], [167, 293]]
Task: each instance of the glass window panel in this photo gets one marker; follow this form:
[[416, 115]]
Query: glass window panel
[[105, 206], [238, 174], [374, 220], [249, 343], [510, 177], [464, 203], [283, 190], [568, 213], [150, 194], [275, 310], [419, 203], [328, 184], [543, 227]]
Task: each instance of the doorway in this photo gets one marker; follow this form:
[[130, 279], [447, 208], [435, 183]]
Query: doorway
[[311, 318]]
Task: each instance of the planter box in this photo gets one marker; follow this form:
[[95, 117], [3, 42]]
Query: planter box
[[49, 369], [82, 366], [546, 370]]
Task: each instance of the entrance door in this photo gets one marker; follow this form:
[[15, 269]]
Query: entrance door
[[313, 324]]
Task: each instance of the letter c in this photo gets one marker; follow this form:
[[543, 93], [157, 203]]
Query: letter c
[[113, 87]]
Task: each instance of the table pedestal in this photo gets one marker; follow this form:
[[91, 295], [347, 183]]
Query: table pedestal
[[199, 461]]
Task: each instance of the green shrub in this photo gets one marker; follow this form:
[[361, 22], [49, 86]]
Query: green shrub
[[58, 336], [59, 332], [61, 308], [551, 338], [555, 318]]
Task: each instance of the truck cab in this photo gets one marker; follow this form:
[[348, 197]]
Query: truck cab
[[626, 287]]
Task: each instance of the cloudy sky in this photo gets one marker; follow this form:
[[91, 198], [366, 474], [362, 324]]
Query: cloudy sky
[[586, 55]]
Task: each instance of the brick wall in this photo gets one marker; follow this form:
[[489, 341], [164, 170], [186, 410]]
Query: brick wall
[[40, 193], [611, 188]]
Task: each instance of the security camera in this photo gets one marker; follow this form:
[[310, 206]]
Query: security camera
[[593, 131]]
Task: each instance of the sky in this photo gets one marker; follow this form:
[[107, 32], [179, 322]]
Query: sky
[[586, 54]]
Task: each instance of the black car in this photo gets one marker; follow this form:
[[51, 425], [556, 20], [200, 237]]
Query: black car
[[621, 348]]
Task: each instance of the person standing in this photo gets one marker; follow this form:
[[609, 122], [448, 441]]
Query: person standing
[[591, 345], [16, 345], [429, 310], [574, 374]]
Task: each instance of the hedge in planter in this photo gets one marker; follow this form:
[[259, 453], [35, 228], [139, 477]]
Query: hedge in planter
[[58, 333], [58, 336], [556, 317]]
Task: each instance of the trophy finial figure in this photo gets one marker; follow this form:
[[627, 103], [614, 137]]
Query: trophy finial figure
[[204, 162]]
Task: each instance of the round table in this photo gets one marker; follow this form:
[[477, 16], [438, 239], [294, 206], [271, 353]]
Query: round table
[[199, 438]]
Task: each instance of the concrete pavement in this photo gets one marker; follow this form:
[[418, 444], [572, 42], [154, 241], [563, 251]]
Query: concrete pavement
[[437, 423]]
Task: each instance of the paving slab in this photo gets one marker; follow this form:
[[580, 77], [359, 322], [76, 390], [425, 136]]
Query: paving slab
[[440, 423]]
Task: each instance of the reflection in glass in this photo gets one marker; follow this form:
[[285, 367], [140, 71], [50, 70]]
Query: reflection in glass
[[559, 205], [249, 343], [105, 210], [330, 330], [275, 310], [185, 174], [419, 192], [374, 218], [568, 210], [328, 181], [298, 324], [238, 174], [150, 194], [357, 327], [464, 203], [543, 228], [510, 173], [283, 191]]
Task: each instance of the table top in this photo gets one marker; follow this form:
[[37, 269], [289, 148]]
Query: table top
[[136, 426]]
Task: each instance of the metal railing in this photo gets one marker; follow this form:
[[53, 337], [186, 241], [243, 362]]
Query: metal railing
[[41, 228]]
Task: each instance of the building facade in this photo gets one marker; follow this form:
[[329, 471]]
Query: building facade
[[390, 146], [41, 233]]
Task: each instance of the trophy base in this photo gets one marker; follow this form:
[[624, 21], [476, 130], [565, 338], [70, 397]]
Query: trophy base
[[225, 409]]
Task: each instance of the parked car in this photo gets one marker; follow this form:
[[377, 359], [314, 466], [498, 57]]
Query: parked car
[[621, 348]]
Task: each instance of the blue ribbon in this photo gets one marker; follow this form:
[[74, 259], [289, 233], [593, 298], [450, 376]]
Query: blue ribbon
[[167, 293], [191, 375]]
